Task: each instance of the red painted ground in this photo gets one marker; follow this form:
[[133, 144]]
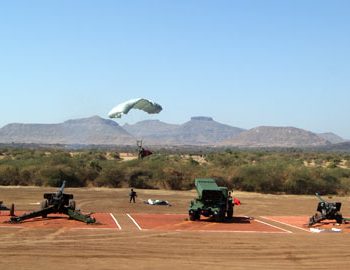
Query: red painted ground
[[103, 221], [173, 222], [302, 223]]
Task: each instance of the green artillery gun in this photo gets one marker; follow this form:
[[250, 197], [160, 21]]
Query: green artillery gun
[[53, 203], [326, 210], [212, 201]]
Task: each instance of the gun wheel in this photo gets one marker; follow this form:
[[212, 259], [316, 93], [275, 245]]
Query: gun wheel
[[194, 216], [339, 218], [44, 204], [72, 204]]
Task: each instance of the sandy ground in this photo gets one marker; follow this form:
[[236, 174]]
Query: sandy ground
[[66, 248]]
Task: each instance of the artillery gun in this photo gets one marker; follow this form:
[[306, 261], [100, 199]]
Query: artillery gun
[[326, 210], [212, 201], [53, 203]]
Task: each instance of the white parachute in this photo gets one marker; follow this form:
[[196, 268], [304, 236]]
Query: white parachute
[[137, 103]]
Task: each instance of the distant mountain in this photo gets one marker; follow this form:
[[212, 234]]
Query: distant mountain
[[198, 131], [331, 137], [93, 130], [150, 129], [338, 147], [204, 131], [265, 136]]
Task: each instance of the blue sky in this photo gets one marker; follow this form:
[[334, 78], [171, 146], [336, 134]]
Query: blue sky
[[245, 63]]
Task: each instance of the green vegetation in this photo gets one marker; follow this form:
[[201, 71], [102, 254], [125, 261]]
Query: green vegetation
[[292, 172]]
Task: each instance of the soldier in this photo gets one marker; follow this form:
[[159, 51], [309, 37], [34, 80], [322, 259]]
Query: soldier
[[132, 195]]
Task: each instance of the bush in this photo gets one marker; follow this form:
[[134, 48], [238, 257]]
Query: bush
[[54, 176], [140, 179], [9, 175], [259, 171], [110, 178]]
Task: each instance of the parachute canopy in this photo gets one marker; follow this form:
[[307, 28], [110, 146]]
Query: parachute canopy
[[137, 103]]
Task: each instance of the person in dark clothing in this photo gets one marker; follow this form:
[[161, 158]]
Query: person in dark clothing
[[132, 195]]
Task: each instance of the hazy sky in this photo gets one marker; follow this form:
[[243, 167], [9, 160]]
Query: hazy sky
[[245, 63]]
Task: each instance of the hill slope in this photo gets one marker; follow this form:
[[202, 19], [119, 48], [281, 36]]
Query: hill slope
[[331, 137], [198, 131], [204, 130], [93, 130], [150, 129], [265, 136]]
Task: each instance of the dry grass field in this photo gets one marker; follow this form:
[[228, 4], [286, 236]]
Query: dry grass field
[[130, 248]]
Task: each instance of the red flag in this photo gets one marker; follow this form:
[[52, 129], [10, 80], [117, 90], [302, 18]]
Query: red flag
[[236, 201]]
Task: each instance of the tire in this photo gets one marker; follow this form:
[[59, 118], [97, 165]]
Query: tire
[[311, 221], [220, 217], [194, 216], [72, 204], [316, 218], [44, 204], [339, 218]]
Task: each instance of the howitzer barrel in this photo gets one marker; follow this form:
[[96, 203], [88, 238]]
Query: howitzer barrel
[[59, 193], [63, 186], [319, 197]]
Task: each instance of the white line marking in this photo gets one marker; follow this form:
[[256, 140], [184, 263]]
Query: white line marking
[[290, 225], [133, 220], [223, 231], [116, 221], [273, 226], [91, 228]]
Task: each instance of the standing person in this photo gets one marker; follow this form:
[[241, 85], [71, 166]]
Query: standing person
[[132, 195]]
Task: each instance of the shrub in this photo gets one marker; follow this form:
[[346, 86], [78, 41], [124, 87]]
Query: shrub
[[110, 178], [140, 179]]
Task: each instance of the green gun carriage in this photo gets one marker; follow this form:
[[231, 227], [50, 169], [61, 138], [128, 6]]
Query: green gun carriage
[[58, 202]]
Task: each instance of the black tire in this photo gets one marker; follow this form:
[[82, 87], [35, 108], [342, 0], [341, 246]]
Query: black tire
[[220, 217], [339, 218], [72, 204], [194, 216], [44, 204], [311, 221]]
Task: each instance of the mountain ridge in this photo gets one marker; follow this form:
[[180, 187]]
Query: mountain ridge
[[92, 130], [198, 131], [269, 136]]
